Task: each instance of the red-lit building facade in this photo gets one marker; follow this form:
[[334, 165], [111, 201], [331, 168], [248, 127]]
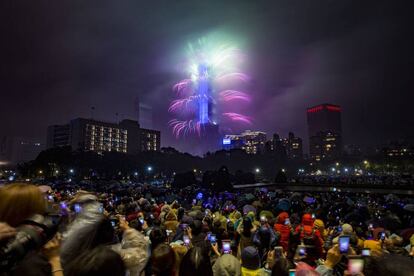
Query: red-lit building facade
[[325, 133]]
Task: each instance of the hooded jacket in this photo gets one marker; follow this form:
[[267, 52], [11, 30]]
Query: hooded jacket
[[133, 248], [306, 229], [227, 265], [283, 229]]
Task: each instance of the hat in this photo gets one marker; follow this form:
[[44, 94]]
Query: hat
[[318, 223], [347, 229], [250, 258]]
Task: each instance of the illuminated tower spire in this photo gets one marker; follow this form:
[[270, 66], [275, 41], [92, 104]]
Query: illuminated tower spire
[[203, 93]]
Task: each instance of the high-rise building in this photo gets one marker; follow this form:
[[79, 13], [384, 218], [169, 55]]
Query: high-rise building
[[150, 140], [325, 133], [293, 146], [252, 142], [58, 135], [98, 136]]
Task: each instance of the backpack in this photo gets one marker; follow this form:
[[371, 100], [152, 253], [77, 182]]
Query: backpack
[[308, 240]]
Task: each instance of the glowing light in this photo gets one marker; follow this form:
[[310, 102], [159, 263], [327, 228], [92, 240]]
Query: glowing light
[[283, 170], [71, 170], [237, 117], [149, 168], [226, 141], [231, 95], [257, 170], [211, 67]]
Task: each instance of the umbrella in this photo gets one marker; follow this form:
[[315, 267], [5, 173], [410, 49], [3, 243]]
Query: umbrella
[[283, 204], [248, 208], [409, 207], [309, 200]]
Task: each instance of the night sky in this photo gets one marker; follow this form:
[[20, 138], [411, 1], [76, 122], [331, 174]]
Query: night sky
[[59, 58]]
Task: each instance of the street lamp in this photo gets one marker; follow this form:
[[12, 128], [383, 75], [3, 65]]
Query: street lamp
[[149, 169], [337, 164], [135, 173], [40, 172], [283, 170], [71, 170], [257, 170]]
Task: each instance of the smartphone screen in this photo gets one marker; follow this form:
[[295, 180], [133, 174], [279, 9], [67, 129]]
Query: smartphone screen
[[77, 208], [382, 236], [292, 272], [186, 240], [302, 251], [226, 247], [63, 205], [141, 220], [213, 239], [344, 244], [366, 252], [355, 265], [287, 221]]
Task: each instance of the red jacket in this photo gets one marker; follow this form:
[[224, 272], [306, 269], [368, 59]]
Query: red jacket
[[306, 228], [283, 229]]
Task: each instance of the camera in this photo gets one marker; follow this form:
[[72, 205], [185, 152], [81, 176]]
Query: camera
[[32, 234]]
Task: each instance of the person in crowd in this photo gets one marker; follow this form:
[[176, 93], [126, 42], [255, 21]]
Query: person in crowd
[[18, 202], [98, 261], [284, 228], [163, 261], [227, 265], [196, 262], [251, 263], [306, 235], [246, 233], [91, 228]]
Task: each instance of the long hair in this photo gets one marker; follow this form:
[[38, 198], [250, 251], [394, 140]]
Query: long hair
[[19, 201]]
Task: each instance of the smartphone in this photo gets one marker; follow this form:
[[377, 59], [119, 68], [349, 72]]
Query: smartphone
[[213, 239], [208, 235], [77, 208], [370, 226], [226, 247], [113, 223], [278, 251], [292, 272], [186, 240], [287, 221], [339, 229], [355, 265], [63, 205], [302, 250], [343, 244], [141, 220], [168, 232], [382, 237], [366, 252], [313, 216], [184, 226], [263, 219]]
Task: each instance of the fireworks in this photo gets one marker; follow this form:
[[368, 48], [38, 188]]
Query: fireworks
[[205, 97]]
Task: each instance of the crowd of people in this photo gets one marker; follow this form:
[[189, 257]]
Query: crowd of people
[[132, 229]]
